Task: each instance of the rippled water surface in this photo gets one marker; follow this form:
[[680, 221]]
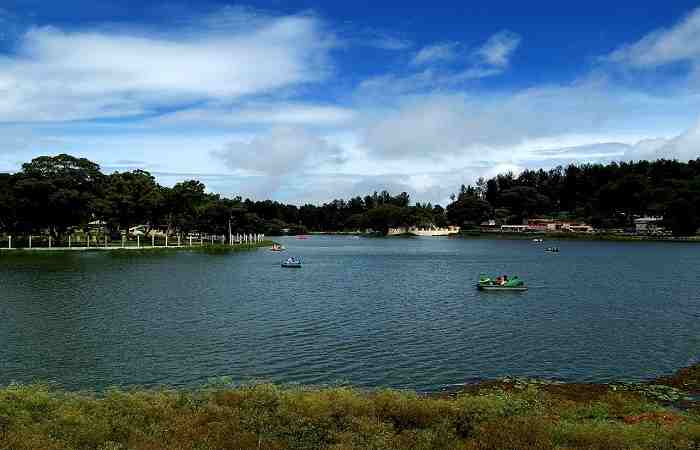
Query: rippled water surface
[[372, 312]]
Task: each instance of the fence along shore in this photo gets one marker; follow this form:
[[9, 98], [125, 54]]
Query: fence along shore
[[47, 243]]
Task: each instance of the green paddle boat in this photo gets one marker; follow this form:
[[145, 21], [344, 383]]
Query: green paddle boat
[[513, 284]]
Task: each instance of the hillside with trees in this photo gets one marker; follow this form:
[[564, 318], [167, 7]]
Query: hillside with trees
[[60, 193]]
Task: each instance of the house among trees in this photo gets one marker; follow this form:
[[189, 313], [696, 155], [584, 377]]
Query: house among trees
[[649, 225]]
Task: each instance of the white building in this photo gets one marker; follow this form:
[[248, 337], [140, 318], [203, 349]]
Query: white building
[[431, 230], [648, 224]]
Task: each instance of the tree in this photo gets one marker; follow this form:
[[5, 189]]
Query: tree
[[57, 192], [130, 198], [682, 217], [468, 210], [384, 217]]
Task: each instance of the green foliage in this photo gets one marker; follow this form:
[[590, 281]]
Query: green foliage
[[62, 192], [608, 196], [270, 417]]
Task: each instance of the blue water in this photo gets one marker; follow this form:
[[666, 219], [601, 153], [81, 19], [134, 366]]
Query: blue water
[[371, 312]]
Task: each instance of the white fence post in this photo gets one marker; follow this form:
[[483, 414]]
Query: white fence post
[[30, 241], [153, 240], [9, 243], [138, 241], [166, 239], [190, 241]]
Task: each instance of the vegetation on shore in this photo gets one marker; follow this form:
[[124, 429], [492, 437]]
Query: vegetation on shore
[[604, 195], [508, 414], [63, 193]]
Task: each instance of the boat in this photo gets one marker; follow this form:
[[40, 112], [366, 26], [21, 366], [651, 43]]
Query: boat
[[292, 263], [277, 248], [552, 249], [538, 240], [513, 284]]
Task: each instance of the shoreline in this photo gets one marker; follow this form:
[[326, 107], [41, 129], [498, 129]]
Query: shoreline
[[206, 248], [574, 237], [510, 413], [497, 235]]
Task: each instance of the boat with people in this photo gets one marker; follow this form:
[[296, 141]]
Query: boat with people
[[538, 240], [277, 248], [292, 263], [552, 249], [501, 283]]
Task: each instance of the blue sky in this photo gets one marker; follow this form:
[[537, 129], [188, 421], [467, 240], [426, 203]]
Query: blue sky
[[310, 101]]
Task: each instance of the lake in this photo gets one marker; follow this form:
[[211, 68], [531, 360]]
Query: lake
[[402, 313]]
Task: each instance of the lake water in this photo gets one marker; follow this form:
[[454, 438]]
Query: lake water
[[372, 312]]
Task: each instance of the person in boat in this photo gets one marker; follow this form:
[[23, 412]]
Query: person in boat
[[504, 280]]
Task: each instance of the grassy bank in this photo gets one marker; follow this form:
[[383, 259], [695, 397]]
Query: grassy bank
[[508, 414]]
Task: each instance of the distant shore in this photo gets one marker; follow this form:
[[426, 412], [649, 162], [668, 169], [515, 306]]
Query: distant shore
[[614, 237], [575, 236]]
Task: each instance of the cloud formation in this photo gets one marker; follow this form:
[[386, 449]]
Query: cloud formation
[[435, 53], [679, 43], [256, 104], [59, 75], [279, 152], [499, 48], [261, 113]]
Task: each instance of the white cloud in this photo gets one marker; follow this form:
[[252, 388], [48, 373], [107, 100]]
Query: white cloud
[[680, 43], [435, 53], [261, 113], [683, 147], [57, 75], [278, 152], [489, 60], [498, 49]]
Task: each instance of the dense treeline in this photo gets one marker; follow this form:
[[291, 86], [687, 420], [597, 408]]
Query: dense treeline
[[606, 196], [63, 192], [60, 193]]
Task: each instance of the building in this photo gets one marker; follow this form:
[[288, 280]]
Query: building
[[516, 228], [548, 226], [430, 230], [650, 224]]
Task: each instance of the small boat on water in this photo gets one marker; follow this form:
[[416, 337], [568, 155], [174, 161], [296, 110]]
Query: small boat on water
[[538, 240], [552, 249], [292, 263], [502, 283], [277, 248]]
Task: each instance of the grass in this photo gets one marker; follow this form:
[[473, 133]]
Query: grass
[[507, 414]]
